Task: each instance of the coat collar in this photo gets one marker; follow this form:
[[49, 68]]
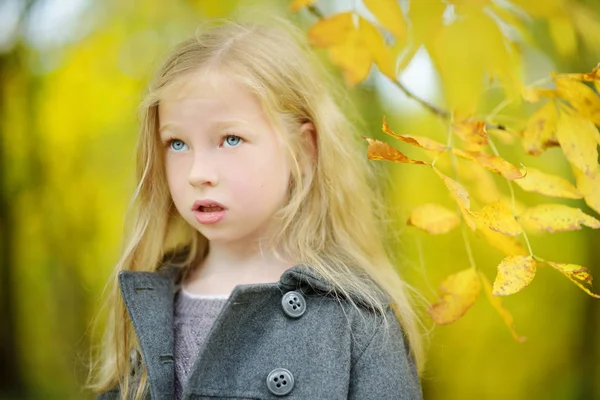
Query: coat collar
[[149, 298]]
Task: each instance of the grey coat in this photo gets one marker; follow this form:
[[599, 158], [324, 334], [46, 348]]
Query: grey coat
[[292, 339]]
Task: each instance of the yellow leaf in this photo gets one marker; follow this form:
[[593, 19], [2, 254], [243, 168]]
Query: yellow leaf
[[379, 150], [504, 313], [578, 139], [493, 163], [471, 131], [506, 244], [593, 75], [389, 14], [483, 183], [331, 31], [577, 274], [556, 218], [549, 185], [492, 55], [299, 4], [460, 195], [589, 188], [419, 141], [458, 292], [581, 97], [533, 95], [514, 274], [563, 34], [433, 219], [498, 217], [380, 53], [540, 132], [353, 58]]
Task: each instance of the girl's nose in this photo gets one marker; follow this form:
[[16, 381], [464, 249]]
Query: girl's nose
[[202, 172]]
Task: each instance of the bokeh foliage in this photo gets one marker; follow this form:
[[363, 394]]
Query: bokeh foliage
[[68, 127]]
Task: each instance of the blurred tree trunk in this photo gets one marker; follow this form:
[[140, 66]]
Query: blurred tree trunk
[[11, 378]]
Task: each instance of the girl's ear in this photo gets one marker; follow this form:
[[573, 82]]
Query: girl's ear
[[309, 140]]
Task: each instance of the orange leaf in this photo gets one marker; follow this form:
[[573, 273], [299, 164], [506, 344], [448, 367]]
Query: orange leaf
[[493, 163], [379, 150], [578, 139], [577, 274], [540, 132], [458, 292], [498, 217], [460, 195], [504, 313], [299, 4], [419, 141], [514, 274], [556, 218], [471, 131], [389, 14], [549, 185], [433, 219], [589, 188]]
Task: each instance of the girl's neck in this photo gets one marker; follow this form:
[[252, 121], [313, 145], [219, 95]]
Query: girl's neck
[[226, 267]]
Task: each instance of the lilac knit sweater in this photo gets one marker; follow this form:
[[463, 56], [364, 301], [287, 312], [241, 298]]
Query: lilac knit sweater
[[194, 315]]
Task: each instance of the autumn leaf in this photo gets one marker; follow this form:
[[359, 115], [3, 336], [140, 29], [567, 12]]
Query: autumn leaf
[[540, 132], [389, 14], [471, 132], [577, 274], [379, 150], [556, 218], [506, 244], [498, 217], [514, 274], [493, 163], [458, 292], [533, 95], [497, 304], [353, 58], [353, 48], [299, 4], [582, 98], [589, 188], [419, 141], [549, 185], [578, 139], [433, 219], [460, 195], [593, 75]]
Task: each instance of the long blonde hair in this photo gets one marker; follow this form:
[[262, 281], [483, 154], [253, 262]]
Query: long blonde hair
[[332, 219]]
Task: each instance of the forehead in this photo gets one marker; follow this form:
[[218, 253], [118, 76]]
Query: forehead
[[207, 94]]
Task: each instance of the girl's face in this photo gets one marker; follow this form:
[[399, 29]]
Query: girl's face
[[226, 166]]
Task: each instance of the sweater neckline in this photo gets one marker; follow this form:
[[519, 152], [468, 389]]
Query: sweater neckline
[[195, 296]]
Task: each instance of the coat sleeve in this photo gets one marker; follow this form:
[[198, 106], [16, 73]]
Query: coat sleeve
[[384, 370]]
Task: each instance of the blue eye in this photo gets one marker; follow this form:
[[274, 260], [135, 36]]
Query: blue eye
[[177, 145], [232, 140]]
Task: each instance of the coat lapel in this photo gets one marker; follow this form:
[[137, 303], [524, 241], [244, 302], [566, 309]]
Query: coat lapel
[[149, 297]]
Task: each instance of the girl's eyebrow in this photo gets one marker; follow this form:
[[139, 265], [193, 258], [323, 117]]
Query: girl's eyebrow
[[223, 124]]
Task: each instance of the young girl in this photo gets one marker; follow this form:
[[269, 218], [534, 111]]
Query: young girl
[[256, 267]]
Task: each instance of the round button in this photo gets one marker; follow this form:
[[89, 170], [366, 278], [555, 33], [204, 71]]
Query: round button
[[280, 381], [293, 304]]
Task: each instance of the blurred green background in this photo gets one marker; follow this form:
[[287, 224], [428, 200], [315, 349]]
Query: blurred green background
[[71, 75]]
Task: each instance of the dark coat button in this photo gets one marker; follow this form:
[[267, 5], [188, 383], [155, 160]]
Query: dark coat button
[[293, 304], [280, 381]]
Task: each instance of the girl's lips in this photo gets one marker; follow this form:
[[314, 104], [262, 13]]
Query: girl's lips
[[207, 218]]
